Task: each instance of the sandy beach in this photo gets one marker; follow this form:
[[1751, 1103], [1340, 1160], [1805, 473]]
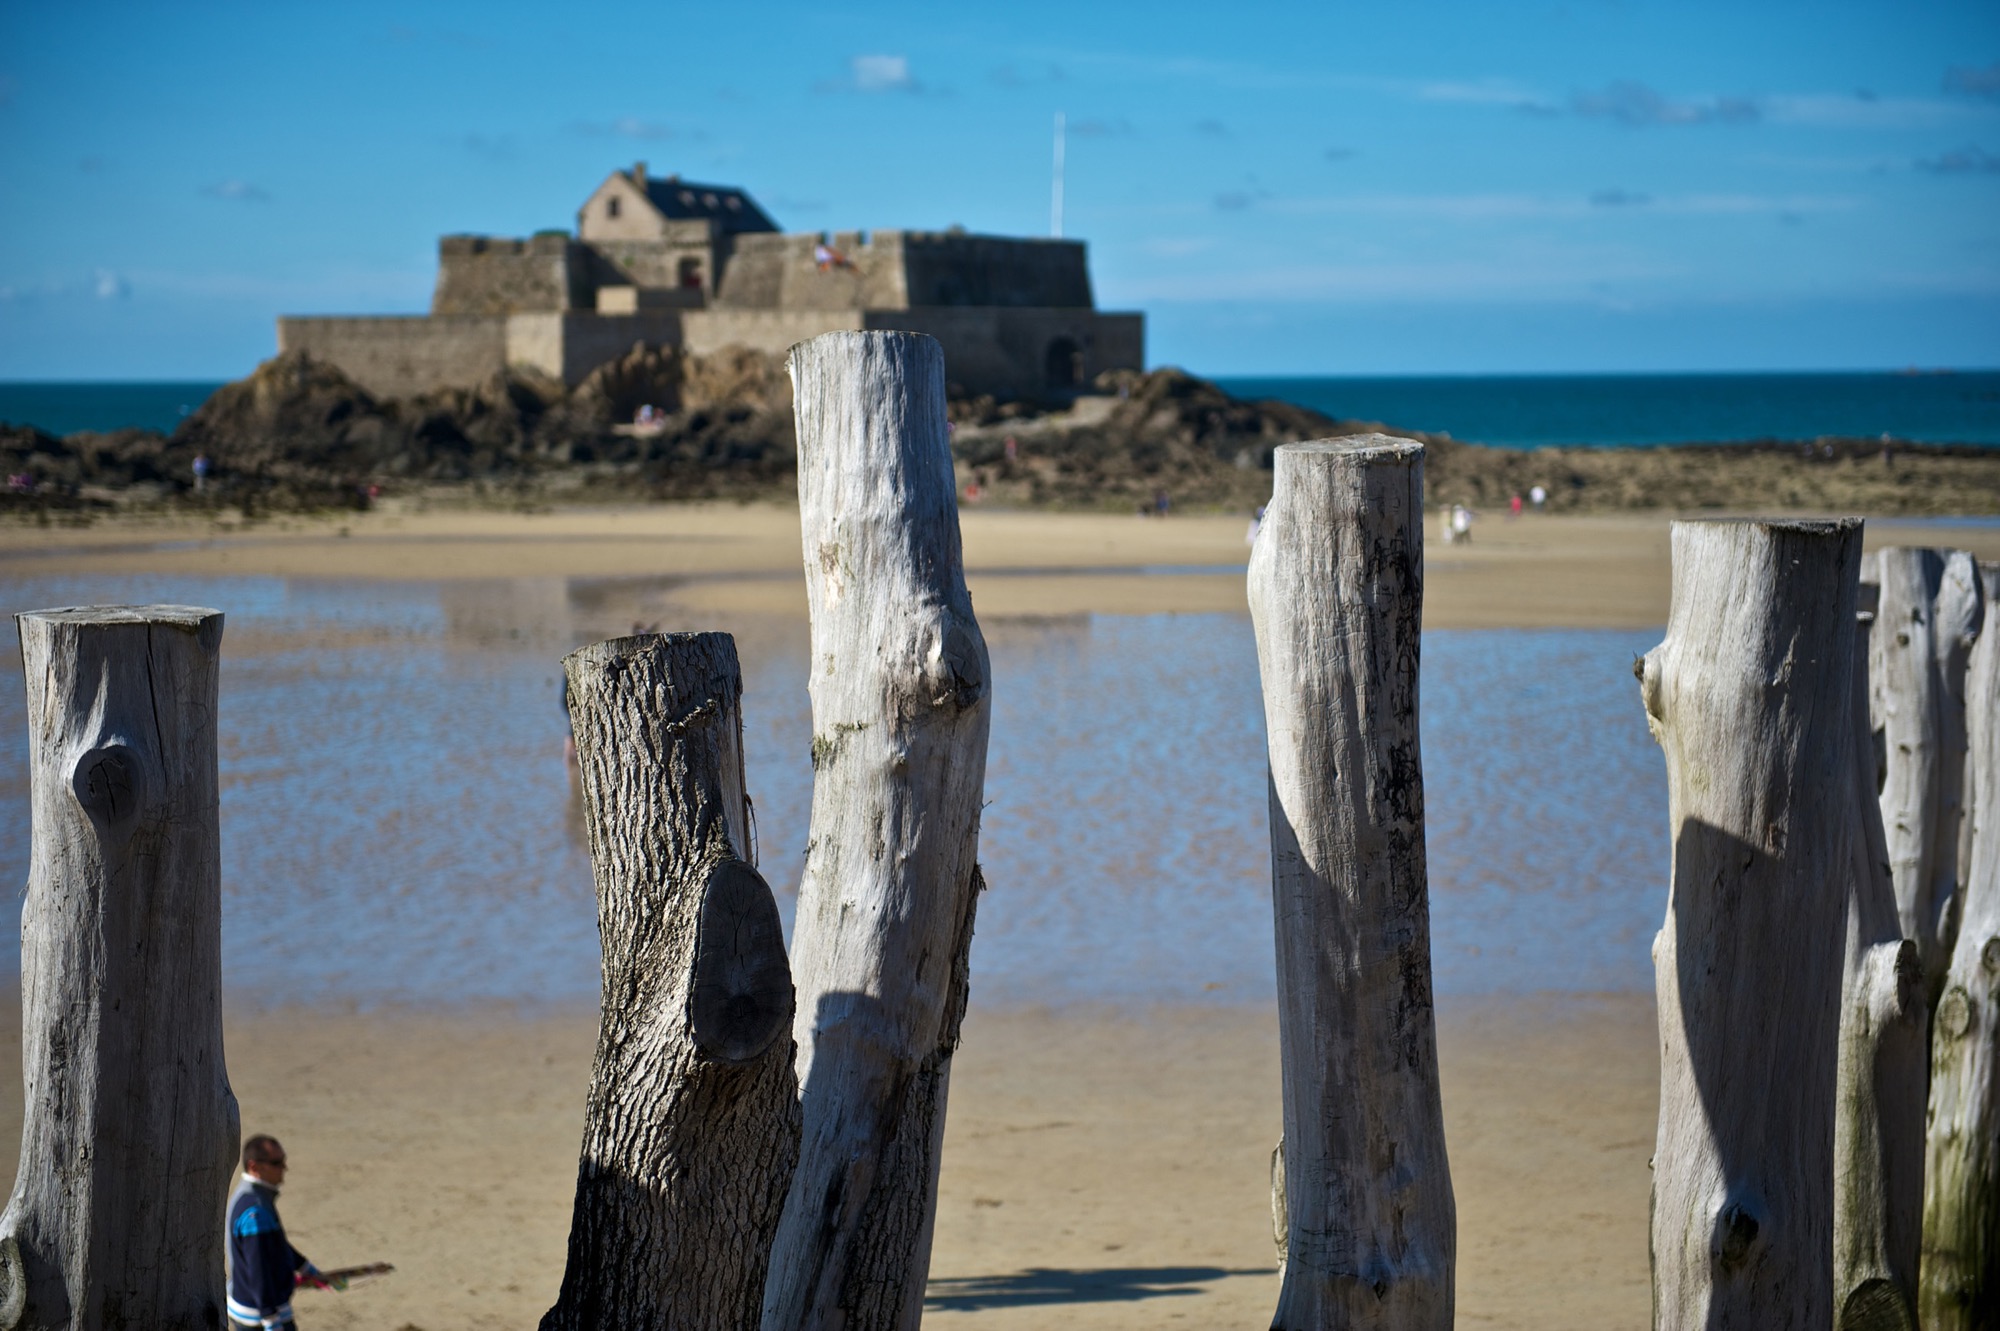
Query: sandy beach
[[1535, 571], [1103, 1167]]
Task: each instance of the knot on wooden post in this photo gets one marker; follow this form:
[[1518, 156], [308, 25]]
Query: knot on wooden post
[[1954, 1014], [1735, 1240], [109, 782], [741, 997]]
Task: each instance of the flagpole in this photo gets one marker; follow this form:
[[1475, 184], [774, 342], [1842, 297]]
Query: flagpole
[[1056, 190]]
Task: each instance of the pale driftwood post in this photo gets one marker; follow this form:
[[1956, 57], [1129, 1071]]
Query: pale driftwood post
[[1336, 596], [1750, 699], [131, 1130], [691, 1127], [900, 704], [1878, 1169], [1961, 1258], [1931, 612]]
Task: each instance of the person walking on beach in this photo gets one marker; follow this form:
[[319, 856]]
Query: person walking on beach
[[264, 1267]]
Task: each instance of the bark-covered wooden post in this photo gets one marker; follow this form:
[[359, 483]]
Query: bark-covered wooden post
[[1961, 1248], [900, 703], [691, 1127], [1750, 699], [131, 1130], [1878, 1170], [1931, 613], [1336, 596]]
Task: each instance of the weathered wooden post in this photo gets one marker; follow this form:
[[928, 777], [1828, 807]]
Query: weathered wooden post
[[1336, 597], [131, 1130], [1878, 1170], [1931, 613], [691, 1127], [900, 704], [1750, 699], [1961, 1247]]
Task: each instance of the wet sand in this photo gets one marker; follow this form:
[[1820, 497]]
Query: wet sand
[[1535, 571], [1101, 1169]]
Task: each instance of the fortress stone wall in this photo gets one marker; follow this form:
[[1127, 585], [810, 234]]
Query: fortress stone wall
[[400, 355], [669, 263]]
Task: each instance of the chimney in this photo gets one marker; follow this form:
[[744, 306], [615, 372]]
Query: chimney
[[639, 174]]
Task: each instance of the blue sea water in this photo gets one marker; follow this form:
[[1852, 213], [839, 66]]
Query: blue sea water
[[1513, 411], [64, 408], [1529, 411]]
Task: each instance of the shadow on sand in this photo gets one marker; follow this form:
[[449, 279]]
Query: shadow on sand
[[1052, 1285]]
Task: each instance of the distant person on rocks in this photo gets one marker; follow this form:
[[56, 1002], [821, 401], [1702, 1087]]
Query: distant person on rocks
[[1256, 525], [1514, 507], [200, 472], [1538, 496], [264, 1268]]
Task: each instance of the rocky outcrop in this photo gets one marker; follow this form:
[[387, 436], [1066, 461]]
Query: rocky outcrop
[[299, 433]]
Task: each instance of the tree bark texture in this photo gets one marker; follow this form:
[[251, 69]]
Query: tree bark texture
[[1961, 1246], [881, 947], [691, 1128], [1750, 697], [1930, 615], [1878, 1171], [130, 1134], [1336, 597]]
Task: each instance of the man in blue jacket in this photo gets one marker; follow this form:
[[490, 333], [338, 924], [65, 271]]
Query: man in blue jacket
[[263, 1265]]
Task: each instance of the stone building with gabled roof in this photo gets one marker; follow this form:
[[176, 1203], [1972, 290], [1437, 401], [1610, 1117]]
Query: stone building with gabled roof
[[659, 261], [632, 205]]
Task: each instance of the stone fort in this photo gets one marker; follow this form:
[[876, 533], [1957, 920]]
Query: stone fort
[[665, 262]]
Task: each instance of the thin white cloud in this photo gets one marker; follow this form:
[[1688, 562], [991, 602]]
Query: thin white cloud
[[239, 191], [1848, 111], [625, 127], [1970, 160], [1472, 207], [1974, 80], [1629, 102], [882, 73], [1115, 128], [110, 286]]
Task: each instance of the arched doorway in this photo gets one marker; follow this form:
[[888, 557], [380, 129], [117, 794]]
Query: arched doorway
[[1063, 366]]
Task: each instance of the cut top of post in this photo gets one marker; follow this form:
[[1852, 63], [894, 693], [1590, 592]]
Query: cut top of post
[[189, 617], [1801, 526], [1360, 447]]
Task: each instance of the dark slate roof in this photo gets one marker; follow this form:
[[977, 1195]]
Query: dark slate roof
[[679, 198]]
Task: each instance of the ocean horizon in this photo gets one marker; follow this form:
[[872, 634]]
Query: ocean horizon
[[1505, 411]]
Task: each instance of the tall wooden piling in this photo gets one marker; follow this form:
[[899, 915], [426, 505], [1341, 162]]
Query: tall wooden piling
[[1931, 612], [130, 1133], [1884, 1054], [1961, 1243], [691, 1127], [1750, 699], [900, 706], [1336, 597]]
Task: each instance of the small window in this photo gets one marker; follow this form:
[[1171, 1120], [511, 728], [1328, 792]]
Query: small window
[[611, 206], [691, 273]]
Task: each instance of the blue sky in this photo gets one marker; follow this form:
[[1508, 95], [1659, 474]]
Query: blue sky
[[1329, 188]]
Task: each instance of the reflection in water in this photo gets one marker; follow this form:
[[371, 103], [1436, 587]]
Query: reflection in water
[[399, 824]]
